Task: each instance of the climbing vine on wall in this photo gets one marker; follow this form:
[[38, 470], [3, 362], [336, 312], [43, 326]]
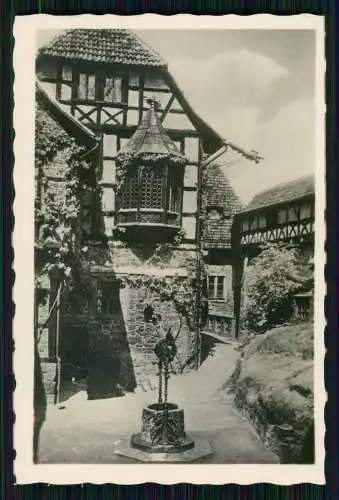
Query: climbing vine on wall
[[181, 290], [58, 250]]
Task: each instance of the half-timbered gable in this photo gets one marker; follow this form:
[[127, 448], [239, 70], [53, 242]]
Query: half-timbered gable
[[105, 78], [284, 213]]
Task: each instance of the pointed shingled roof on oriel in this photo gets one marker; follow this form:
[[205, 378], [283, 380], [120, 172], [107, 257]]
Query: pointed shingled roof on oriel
[[150, 141]]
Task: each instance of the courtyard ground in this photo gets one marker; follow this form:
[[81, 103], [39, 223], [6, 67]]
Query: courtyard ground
[[86, 431]]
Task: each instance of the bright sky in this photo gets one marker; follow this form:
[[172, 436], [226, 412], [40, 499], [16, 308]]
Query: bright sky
[[255, 87]]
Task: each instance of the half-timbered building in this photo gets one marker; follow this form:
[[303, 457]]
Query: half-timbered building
[[282, 214], [151, 151]]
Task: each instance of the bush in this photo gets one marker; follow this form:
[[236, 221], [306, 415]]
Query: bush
[[271, 281]]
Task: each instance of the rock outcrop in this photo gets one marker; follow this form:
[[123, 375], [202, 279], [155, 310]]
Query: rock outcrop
[[273, 387]]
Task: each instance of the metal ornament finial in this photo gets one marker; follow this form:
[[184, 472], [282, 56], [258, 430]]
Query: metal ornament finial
[[153, 103]]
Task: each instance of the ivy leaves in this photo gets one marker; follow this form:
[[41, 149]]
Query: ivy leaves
[[58, 217]]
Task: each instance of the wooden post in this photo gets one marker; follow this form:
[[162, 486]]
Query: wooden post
[[58, 374], [198, 267]]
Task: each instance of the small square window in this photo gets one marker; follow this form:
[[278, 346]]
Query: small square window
[[216, 287], [262, 221], [282, 216], [134, 80], [254, 223], [292, 214], [86, 89], [305, 211], [113, 89], [67, 73], [245, 225]]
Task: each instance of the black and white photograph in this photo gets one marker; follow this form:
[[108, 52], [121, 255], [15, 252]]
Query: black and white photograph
[[169, 257]]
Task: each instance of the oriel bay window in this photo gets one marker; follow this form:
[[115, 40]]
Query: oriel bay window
[[151, 193], [150, 174], [151, 187]]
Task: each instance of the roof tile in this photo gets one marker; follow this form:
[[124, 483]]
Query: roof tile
[[282, 193], [150, 138], [103, 45], [216, 233]]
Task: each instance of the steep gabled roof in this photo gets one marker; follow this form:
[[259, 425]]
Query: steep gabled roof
[[218, 193], [122, 46], [283, 193], [150, 139], [119, 46]]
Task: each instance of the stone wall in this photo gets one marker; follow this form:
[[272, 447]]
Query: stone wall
[[117, 348], [120, 347], [142, 336], [49, 369]]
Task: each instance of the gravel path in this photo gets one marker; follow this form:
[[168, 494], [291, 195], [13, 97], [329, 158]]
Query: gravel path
[[86, 431]]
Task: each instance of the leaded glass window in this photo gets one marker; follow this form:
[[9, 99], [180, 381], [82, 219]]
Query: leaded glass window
[[130, 193], [151, 188]]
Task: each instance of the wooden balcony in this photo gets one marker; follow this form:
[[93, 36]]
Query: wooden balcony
[[289, 231]]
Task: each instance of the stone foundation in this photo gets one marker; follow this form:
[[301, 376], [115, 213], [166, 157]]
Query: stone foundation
[[49, 370]]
